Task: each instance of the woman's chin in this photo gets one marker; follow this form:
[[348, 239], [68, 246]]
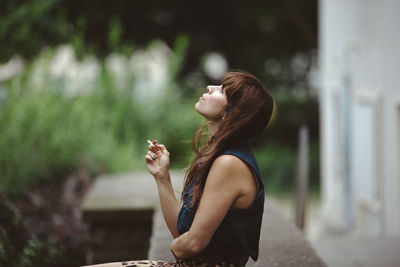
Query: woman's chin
[[198, 110], [196, 106]]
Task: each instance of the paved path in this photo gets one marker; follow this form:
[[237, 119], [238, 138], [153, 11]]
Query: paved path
[[359, 251], [341, 250]]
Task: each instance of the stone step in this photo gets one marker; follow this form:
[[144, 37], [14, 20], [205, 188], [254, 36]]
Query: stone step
[[119, 210]]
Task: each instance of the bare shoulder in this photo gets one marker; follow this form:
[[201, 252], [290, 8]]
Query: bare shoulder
[[231, 176], [231, 165]]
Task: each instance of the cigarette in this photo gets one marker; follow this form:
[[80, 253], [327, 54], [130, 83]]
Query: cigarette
[[152, 145]]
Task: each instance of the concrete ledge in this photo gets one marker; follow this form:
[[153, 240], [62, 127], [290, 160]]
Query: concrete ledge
[[126, 191], [119, 210], [129, 191], [281, 243]]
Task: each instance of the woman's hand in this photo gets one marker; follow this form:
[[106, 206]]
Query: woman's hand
[[157, 160]]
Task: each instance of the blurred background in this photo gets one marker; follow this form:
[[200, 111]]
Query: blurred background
[[84, 84], [77, 74]]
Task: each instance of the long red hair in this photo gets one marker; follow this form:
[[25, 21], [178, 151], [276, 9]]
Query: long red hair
[[247, 114]]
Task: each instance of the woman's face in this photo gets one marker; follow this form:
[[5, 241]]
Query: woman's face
[[212, 104]]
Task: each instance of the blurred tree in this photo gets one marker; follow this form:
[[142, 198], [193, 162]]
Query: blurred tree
[[246, 33], [28, 26]]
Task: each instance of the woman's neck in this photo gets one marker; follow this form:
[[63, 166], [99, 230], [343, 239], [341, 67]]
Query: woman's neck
[[213, 127]]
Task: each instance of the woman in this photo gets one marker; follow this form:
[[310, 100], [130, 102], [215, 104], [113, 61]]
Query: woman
[[219, 221]]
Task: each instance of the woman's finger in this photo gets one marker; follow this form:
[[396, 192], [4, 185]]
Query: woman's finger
[[163, 149], [155, 149], [156, 144], [150, 159], [152, 154]]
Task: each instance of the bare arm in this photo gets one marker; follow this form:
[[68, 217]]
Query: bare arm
[[228, 180], [169, 205], [157, 162]]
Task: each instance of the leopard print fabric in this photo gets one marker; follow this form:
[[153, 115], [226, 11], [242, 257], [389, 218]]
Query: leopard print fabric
[[148, 263], [178, 263], [194, 263]]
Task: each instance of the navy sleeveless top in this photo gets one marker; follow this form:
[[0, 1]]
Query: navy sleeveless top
[[238, 235]]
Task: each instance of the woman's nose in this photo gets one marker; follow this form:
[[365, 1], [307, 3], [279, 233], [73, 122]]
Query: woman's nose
[[209, 89]]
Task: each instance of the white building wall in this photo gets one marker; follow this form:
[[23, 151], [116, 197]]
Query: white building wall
[[360, 115]]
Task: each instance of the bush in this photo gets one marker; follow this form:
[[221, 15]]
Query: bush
[[278, 165], [17, 248], [62, 114]]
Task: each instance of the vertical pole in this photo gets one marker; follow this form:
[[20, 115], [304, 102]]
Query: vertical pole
[[346, 146], [302, 177]]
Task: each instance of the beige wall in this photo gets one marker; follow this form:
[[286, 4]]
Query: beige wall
[[359, 61]]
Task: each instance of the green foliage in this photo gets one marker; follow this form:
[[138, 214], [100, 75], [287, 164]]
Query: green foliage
[[77, 40], [49, 132], [277, 164], [17, 248], [39, 139], [278, 167], [290, 113], [34, 252], [114, 33], [180, 46], [26, 26]]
